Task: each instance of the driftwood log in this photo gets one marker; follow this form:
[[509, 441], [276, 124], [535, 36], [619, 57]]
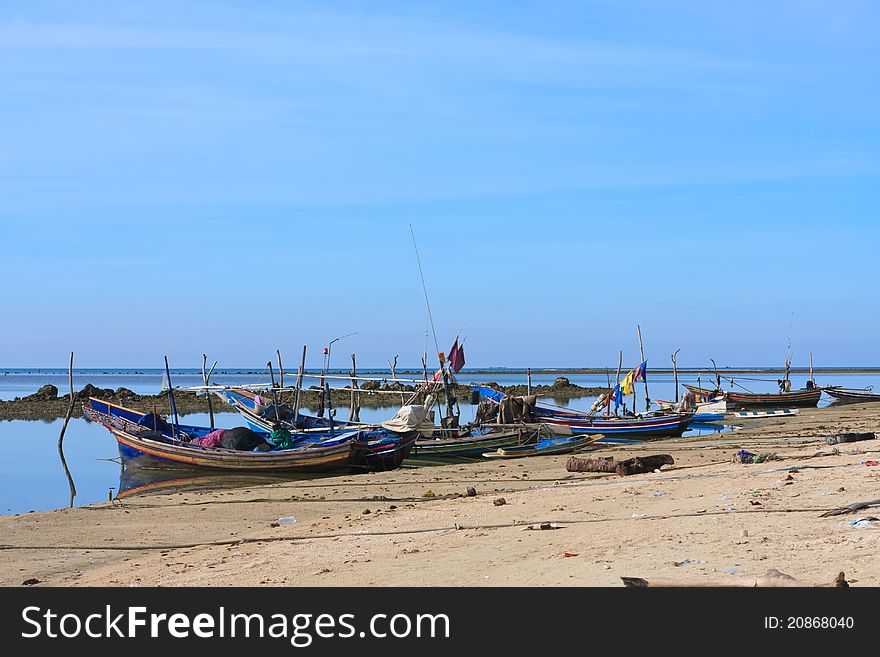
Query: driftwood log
[[637, 465], [850, 508], [602, 464], [773, 578], [849, 438]]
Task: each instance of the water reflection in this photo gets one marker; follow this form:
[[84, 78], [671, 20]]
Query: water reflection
[[137, 482], [67, 472]]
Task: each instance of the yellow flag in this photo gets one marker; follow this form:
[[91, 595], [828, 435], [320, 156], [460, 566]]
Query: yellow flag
[[627, 384]]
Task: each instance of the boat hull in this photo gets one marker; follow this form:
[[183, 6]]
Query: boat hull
[[658, 426], [544, 447], [470, 445], [136, 451], [795, 398], [844, 395]]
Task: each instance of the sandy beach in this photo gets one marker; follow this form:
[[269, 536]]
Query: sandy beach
[[705, 517]]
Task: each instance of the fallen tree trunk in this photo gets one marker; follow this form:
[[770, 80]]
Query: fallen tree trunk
[[849, 438], [642, 464], [773, 578], [602, 464], [637, 465]]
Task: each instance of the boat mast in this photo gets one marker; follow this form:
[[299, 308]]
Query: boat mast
[[171, 397], [619, 366], [644, 378], [675, 373]]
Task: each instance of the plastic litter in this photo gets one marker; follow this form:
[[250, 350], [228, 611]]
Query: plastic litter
[[685, 562], [864, 521], [287, 520]]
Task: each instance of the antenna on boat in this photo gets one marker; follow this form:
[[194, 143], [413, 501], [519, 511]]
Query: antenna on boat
[[424, 288]]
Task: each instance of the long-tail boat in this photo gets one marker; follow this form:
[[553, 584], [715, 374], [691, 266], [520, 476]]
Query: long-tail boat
[[654, 424], [735, 400], [852, 395], [385, 449], [545, 446], [143, 441]]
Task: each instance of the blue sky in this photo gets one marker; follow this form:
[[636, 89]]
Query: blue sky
[[236, 177]]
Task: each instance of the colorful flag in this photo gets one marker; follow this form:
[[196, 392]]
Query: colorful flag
[[618, 397], [628, 382]]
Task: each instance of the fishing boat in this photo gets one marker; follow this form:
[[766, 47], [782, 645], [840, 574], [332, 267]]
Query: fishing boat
[[804, 397], [659, 424], [851, 395], [474, 441], [707, 411], [384, 449], [145, 439], [654, 424], [546, 446]]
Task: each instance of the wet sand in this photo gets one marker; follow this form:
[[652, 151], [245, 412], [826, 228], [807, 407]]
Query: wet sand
[[713, 517]]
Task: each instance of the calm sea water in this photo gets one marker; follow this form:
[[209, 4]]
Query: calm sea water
[[32, 477]]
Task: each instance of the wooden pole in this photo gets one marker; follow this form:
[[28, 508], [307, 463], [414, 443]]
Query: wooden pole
[[299, 382], [354, 411], [206, 377], [393, 365], [280, 369], [675, 373], [529, 381], [811, 366], [274, 394], [644, 378], [171, 398], [718, 376], [64, 429], [619, 366]]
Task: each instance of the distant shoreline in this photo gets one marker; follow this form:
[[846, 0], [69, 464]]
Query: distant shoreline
[[408, 372]]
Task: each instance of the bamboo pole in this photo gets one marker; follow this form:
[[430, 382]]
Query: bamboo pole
[[64, 429], [619, 366], [171, 399], [206, 377], [299, 382], [274, 393], [675, 373], [644, 378], [529, 381], [354, 410], [280, 369]]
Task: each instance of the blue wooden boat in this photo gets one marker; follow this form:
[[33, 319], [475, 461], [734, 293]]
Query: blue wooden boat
[[145, 440], [656, 424], [384, 449]]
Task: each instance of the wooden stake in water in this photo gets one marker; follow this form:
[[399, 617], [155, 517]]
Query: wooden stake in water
[[529, 381], [354, 411], [67, 417]]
